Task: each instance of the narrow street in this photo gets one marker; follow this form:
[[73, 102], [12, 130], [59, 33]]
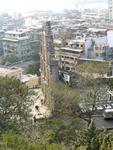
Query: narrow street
[[23, 64]]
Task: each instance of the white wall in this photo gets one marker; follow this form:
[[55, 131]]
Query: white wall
[[110, 38]]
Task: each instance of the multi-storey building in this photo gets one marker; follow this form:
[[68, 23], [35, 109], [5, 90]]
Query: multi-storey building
[[21, 43], [97, 48], [70, 54], [8, 22], [110, 9]]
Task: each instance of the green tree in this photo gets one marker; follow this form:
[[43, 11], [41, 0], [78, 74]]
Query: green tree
[[65, 99], [107, 143], [93, 88], [55, 146], [109, 82], [10, 59], [14, 141], [34, 68], [14, 104], [91, 137], [88, 138], [93, 69]]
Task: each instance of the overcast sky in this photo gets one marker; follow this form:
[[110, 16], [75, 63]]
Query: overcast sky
[[56, 5]]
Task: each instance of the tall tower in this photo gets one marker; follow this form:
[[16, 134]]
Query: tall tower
[[110, 9], [48, 63]]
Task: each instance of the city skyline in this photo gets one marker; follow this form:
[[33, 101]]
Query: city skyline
[[56, 5]]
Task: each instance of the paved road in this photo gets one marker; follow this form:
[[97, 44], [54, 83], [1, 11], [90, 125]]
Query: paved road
[[101, 123], [24, 65]]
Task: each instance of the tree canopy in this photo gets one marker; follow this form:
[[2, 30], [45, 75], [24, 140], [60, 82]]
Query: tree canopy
[[95, 69], [65, 99], [12, 58], [14, 104], [34, 68]]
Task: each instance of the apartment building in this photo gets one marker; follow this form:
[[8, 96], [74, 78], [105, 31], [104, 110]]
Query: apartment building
[[97, 48], [21, 43], [70, 54]]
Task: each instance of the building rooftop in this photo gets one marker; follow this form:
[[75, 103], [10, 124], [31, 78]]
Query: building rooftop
[[5, 71], [57, 41], [10, 39], [27, 77], [91, 59], [97, 30], [77, 41], [18, 32], [15, 39]]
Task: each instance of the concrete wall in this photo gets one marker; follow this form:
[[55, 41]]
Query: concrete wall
[[110, 38]]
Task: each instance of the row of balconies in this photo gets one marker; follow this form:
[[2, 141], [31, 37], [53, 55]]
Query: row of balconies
[[66, 54]]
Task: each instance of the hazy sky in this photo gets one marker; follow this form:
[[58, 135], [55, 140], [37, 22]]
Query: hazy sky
[[56, 5]]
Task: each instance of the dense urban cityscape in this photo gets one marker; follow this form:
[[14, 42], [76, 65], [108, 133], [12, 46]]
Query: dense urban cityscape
[[56, 79]]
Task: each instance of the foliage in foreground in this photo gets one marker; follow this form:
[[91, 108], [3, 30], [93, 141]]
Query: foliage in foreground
[[65, 99], [87, 139], [13, 141], [14, 104]]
